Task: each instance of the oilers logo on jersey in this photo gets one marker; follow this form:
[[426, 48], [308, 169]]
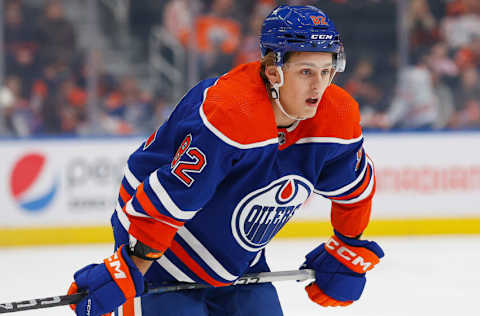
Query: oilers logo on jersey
[[263, 212]]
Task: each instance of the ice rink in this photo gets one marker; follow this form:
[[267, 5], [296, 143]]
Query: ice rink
[[419, 276]]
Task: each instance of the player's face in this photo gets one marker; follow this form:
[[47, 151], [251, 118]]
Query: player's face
[[306, 75]]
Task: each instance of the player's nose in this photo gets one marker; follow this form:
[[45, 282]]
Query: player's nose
[[317, 82]]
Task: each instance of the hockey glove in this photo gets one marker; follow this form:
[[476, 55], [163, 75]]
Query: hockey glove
[[340, 265], [108, 284]]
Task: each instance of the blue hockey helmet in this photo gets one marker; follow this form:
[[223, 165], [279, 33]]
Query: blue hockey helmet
[[301, 29]]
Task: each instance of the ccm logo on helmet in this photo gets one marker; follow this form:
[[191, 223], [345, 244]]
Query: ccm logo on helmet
[[321, 37], [115, 263], [351, 259]]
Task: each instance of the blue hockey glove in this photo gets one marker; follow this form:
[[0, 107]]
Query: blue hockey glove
[[109, 284], [340, 265]]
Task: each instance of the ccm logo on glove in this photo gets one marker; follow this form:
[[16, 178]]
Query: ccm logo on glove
[[115, 264], [357, 259]]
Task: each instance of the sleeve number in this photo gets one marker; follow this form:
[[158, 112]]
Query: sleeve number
[[181, 168]]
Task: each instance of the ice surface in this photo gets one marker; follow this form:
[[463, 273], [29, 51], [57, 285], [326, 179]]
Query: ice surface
[[419, 276]]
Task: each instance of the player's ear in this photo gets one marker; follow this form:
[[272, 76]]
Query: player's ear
[[272, 74]]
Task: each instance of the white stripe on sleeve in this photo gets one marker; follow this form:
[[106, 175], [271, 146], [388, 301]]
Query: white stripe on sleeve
[[122, 217], [203, 253], [173, 270], [347, 187], [131, 179], [365, 193], [166, 201]]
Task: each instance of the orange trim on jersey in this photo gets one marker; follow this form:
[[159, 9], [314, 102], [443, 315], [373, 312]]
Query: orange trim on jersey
[[359, 190], [337, 116], [118, 269], [233, 115], [194, 266], [150, 209], [124, 195], [151, 232], [128, 308], [352, 219]]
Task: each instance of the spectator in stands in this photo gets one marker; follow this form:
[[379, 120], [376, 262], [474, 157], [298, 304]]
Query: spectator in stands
[[17, 32], [71, 101], [248, 49], [467, 100], [7, 100], [461, 24], [44, 96], [20, 119], [128, 109], [415, 103], [361, 85], [364, 86], [56, 35], [218, 37], [440, 61], [177, 20], [444, 73], [22, 62], [421, 25]]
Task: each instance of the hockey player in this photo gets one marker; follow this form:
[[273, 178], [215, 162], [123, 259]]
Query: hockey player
[[205, 193]]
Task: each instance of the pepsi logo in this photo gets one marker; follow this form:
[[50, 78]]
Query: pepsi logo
[[32, 182], [262, 213]]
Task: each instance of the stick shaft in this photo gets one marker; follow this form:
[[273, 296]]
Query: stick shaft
[[248, 279], [262, 277], [38, 303]]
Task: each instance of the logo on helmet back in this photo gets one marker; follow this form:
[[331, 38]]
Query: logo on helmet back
[[318, 20], [263, 212]]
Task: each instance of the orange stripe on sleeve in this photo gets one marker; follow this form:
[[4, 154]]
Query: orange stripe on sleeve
[[359, 190], [150, 209], [194, 266], [124, 195], [151, 232], [352, 219]]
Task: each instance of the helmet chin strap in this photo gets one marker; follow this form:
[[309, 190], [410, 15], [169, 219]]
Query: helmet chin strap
[[276, 96]]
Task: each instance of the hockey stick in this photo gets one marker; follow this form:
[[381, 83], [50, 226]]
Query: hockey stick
[[262, 277]]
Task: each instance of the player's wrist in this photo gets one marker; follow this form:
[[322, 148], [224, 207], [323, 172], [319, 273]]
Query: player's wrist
[[140, 250]]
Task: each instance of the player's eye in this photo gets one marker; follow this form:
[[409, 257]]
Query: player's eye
[[325, 72], [306, 72]]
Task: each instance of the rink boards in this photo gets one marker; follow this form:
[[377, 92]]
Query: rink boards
[[63, 191]]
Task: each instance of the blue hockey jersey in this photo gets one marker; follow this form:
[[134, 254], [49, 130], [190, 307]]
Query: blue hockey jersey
[[215, 183]]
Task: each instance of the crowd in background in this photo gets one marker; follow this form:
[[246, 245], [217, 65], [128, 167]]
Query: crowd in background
[[440, 87], [45, 88]]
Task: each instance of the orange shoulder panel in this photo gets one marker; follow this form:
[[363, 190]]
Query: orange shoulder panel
[[238, 106]]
